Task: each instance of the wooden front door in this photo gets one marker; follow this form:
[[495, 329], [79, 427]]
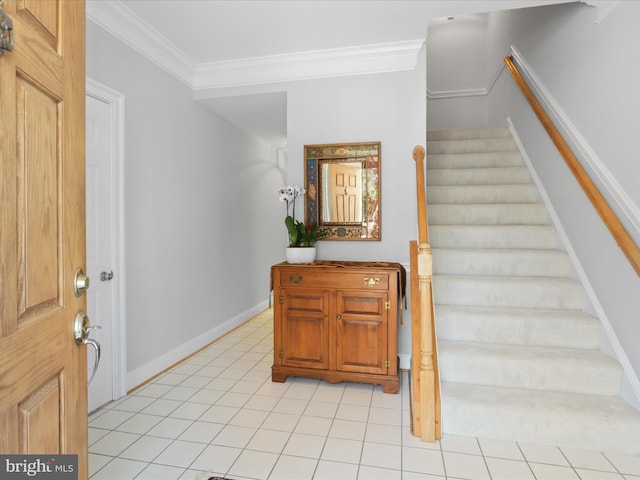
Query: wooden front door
[[43, 379]]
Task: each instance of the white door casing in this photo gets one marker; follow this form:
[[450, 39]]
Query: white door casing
[[105, 240]]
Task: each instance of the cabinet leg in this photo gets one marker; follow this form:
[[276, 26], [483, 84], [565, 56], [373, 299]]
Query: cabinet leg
[[278, 377], [390, 387]]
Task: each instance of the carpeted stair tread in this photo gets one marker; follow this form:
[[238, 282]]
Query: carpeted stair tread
[[518, 193], [496, 262], [478, 176], [512, 292], [487, 214], [590, 422], [588, 372], [492, 236], [534, 327]]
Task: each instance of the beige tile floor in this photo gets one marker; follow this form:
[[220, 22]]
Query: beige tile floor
[[219, 413]]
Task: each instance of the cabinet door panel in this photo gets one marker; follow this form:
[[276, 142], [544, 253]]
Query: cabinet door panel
[[305, 328], [361, 332]]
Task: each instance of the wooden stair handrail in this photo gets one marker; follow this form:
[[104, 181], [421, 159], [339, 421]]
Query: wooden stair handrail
[[425, 381], [423, 229], [619, 232]]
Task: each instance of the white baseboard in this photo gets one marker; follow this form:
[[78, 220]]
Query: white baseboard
[[154, 367], [404, 362]]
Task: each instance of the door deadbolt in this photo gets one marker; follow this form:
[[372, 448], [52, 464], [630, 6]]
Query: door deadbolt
[[80, 282]]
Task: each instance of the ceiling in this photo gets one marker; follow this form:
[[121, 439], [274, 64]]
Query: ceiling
[[222, 36]]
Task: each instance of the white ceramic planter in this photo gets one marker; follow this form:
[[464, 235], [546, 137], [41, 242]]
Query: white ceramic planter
[[301, 254]]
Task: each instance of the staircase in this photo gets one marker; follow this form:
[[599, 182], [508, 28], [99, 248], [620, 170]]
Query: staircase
[[519, 356]]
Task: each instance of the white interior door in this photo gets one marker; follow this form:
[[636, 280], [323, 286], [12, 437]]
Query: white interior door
[[104, 265]]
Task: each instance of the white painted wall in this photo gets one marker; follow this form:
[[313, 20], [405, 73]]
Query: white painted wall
[[202, 215], [588, 70], [389, 108], [203, 222], [457, 71], [358, 109]]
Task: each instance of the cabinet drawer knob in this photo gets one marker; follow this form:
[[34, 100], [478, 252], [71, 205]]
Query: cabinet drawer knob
[[371, 281], [295, 278]]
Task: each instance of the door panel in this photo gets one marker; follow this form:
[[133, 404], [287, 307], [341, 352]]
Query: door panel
[[43, 407], [361, 332], [36, 413], [38, 179], [305, 328]]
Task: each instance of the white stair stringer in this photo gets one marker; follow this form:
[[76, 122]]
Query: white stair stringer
[[519, 353]]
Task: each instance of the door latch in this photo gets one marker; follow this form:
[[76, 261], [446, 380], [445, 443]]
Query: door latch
[[104, 276], [81, 329]]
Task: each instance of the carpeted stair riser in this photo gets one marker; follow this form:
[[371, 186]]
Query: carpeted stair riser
[[474, 160], [467, 133], [511, 262], [586, 372], [510, 292], [478, 176], [492, 236], [590, 422], [438, 147], [481, 194], [534, 327], [483, 214]]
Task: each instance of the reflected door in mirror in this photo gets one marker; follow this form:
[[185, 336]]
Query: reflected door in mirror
[[343, 184]]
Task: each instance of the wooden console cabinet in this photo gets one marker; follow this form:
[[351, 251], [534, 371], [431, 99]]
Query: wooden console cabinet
[[337, 321]]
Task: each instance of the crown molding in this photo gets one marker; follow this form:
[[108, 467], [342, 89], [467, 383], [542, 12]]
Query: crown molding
[[122, 23], [470, 92], [603, 7], [368, 59], [116, 18]]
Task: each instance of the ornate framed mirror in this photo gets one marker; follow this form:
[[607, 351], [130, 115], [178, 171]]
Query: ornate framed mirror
[[343, 189]]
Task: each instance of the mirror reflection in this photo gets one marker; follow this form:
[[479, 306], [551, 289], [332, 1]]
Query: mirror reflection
[[343, 189], [341, 201]]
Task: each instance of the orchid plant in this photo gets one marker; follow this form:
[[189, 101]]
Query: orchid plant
[[299, 234]]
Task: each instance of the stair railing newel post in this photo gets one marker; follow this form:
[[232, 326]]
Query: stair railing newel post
[[426, 391]]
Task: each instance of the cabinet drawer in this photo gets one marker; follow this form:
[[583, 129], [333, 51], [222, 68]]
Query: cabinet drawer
[[336, 279]]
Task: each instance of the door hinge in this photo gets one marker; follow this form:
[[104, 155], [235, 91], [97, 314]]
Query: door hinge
[[387, 364], [387, 305], [281, 353], [281, 299]]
